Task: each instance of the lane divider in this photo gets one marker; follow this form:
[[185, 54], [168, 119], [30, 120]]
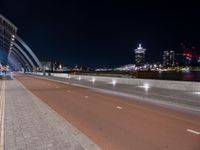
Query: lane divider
[[119, 107], [2, 103], [192, 131]]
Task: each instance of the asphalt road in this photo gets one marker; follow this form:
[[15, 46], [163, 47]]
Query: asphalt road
[[115, 122]]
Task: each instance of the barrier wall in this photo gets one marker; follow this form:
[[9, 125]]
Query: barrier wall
[[165, 84]]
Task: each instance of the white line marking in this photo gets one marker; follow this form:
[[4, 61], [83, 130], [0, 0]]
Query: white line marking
[[86, 96], [119, 107], [2, 102], [192, 131]]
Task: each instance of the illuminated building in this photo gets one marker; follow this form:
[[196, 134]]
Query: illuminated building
[[198, 59], [168, 58], [140, 56], [187, 58], [46, 65]]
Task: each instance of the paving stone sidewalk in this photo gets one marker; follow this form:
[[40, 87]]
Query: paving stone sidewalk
[[30, 124]]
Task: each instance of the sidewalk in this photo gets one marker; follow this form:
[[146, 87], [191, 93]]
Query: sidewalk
[[31, 125]]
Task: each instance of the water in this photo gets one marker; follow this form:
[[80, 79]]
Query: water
[[169, 75], [165, 75]]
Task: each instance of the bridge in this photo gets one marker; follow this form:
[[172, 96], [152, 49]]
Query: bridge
[[67, 111], [19, 54]]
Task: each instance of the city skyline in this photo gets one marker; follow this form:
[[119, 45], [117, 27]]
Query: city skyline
[[103, 34]]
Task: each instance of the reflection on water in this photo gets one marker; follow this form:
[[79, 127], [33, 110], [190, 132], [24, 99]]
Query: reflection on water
[[169, 75]]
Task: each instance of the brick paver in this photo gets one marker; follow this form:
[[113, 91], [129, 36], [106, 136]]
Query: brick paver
[[30, 124]]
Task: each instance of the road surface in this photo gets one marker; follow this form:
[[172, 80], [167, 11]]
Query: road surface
[[115, 122]]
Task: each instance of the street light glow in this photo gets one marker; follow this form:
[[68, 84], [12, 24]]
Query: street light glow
[[145, 86], [197, 93], [114, 82], [79, 78], [93, 80]]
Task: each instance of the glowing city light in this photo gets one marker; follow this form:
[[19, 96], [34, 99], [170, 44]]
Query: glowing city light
[[140, 46]]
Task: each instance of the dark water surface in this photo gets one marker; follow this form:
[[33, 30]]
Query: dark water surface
[[169, 75]]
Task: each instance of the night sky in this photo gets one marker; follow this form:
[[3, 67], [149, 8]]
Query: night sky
[[103, 33]]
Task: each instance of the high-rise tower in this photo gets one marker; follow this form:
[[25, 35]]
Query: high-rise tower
[[168, 58], [140, 56]]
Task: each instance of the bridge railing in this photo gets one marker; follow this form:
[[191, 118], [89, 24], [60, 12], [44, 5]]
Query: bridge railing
[[165, 84]]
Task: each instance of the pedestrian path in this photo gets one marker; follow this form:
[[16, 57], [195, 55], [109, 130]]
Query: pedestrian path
[[30, 124]]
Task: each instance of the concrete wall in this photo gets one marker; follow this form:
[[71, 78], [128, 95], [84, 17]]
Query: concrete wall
[[165, 84], [62, 75], [36, 73]]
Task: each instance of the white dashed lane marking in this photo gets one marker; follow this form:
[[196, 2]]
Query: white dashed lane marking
[[119, 107], [192, 131]]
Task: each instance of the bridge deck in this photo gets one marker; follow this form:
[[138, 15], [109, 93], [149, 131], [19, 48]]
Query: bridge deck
[[116, 122]]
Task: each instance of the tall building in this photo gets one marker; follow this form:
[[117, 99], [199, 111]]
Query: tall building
[[140, 56], [46, 65], [168, 58]]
